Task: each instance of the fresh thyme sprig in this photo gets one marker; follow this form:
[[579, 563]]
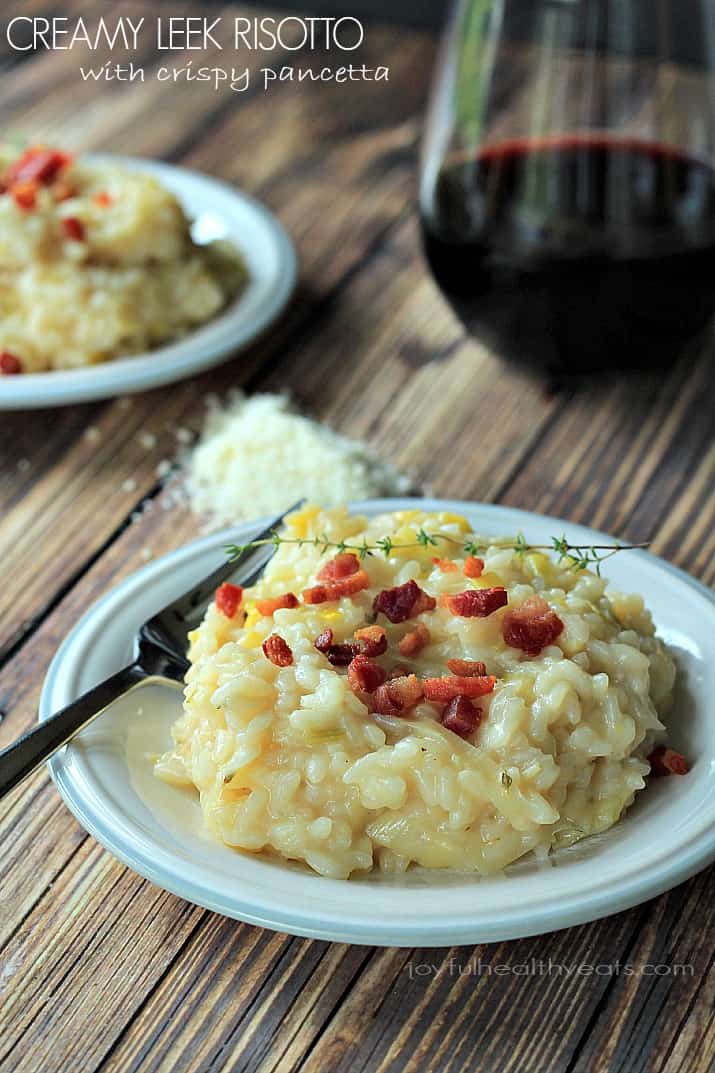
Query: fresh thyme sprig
[[578, 556]]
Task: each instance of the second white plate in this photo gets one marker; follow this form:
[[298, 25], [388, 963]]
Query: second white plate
[[106, 780], [216, 210]]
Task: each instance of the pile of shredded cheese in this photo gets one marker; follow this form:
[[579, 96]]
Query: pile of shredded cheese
[[256, 456]]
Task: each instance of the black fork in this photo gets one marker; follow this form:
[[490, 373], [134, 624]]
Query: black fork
[[161, 648]]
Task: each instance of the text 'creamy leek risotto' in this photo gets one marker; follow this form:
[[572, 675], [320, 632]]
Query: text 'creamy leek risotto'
[[418, 705]]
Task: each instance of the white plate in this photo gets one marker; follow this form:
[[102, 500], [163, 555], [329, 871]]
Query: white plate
[[216, 210], [668, 834]]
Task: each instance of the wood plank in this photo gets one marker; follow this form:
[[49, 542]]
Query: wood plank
[[98, 969], [39, 838], [618, 457], [249, 996], [44, 79], [416, 388], [660, 1016], [379, 369], [161, 530], [433, 401], [391, 292], [688, 532], [456, 1009], [47, 99], [85, 957], [102, 481]]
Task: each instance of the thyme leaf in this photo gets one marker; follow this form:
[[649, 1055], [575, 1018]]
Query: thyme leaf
[[578, 557]]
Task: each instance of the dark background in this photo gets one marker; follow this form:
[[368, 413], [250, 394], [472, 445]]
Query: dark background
[[678, 25], [411, 12]]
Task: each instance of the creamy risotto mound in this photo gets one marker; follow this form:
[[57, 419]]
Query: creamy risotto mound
[[97, 262], [424, 706]]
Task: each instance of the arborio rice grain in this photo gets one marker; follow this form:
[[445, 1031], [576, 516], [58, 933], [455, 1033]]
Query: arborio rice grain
[[288, 760]]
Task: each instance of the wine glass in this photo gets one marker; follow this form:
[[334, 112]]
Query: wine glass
[[567, 194]]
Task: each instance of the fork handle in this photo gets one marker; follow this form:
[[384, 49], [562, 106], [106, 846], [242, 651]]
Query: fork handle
[[31, 750]]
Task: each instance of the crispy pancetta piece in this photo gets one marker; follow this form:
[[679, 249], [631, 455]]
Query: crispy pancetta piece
[[277, 651], [403, 602], [531, 626], [373, 640], [228, 599], [269, 604], [454, 685], [467, 668], [665, 761], [339, 567], [397, 695], [334, 590], [414, 641], [477, 603], [461, 716], [364, 676]]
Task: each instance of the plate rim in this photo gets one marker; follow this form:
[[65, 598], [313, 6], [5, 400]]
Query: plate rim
[[124, 375], [695, 853]]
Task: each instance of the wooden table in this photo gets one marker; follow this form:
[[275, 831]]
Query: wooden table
[[100, 970]]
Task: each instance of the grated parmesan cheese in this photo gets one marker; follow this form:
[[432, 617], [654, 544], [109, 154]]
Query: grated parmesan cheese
[[256, 456]]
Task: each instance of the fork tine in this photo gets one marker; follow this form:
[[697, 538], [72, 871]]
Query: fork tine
[[163, 636], [205, 588], [168, 630], [235, 564]]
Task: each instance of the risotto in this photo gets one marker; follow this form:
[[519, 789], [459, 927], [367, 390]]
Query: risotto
[[97, 262], [440, 704]]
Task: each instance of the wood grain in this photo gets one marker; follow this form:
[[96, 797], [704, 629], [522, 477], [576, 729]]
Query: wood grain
[[98, 969], [104, 478]]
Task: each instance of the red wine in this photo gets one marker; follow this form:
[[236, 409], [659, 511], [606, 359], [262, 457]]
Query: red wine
[[576, 253]]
